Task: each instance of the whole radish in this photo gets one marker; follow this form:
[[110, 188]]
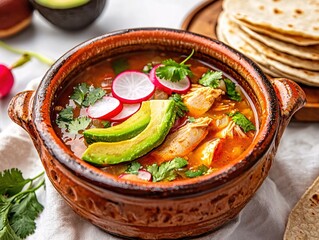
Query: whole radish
[[6, 80]]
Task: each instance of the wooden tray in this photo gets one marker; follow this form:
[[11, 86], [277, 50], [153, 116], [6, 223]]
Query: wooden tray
[[203, 20]]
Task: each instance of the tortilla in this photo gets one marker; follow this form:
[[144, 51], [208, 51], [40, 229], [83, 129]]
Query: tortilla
[[307, 52], [298, 18], [279, 56], [286, 38], [303, 220], [228, 31]]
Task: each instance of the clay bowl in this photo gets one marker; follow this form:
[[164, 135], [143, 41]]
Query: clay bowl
[[158, 210]]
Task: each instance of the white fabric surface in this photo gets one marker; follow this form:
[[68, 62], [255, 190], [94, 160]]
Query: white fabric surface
[[295, 167]]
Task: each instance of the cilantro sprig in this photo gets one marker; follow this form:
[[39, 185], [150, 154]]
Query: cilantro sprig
[[211, 79], [19, 206], [65, 120], [180, 107], [85, 95], [133, 168], [242, 121], [167, 170], [231, 90], [199, 171], [173, 71]]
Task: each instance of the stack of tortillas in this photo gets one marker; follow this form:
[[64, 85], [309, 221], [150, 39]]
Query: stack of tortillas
[[281, 36]]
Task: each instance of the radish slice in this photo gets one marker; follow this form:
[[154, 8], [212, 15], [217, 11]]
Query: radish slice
[[105, 108], [127, 111], [141, 175], [132, 87], [169, 87]]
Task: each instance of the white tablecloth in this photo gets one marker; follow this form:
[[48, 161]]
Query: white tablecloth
[[295, 167]]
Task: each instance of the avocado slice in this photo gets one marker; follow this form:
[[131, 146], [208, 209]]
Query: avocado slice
[[62, 4], [162, 118], [126, 130]]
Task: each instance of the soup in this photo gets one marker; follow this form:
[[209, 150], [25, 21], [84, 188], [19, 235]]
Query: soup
[[154, 116]]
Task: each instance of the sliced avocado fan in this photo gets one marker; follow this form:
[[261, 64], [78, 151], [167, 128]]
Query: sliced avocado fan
[[106, 153], [123, 131], [61, 4]]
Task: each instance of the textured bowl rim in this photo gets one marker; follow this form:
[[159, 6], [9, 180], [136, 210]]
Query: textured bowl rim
[[92, 175]]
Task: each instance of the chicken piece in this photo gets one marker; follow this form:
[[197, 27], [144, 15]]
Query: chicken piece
[[159, 94], [204, 154], [228, 128], [182, 141], [200, 99]]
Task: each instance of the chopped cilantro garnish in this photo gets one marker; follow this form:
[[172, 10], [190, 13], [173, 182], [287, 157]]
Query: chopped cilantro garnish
[[133, 168], [18, 207], [79, 93], [106, 124], [85, 96], [196, 172], [180, 107], [173, 71], [231, 90], [147, 68], [78, 124], [66, 114], [211, 79], [243, 122], [93, 95], [191, 119], [119, 65], [167, 170]]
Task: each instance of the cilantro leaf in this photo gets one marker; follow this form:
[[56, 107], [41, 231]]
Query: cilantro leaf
[[79, 93], [119, 65], [191, 119], [93, 95], [85, 96], [23, 214], [12, 182], [78, 124], [133, 168], [243, 122], [211, 79], [18, 212], [167, 170], [231, 90], [180, 107], [66, 115], [172, 71], [196, 172]]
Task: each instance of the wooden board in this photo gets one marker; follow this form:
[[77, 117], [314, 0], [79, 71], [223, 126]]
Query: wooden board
[[203, 20]]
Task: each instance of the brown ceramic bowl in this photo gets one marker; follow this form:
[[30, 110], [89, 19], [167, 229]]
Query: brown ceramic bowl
[[169, 209]]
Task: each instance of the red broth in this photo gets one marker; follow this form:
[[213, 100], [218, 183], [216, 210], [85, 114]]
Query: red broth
[[232, 143]]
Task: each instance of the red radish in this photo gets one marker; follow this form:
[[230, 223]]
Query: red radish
[[132, 87], [169, 87], [6, 80], [105, 108], [127, 111], [141, 175]]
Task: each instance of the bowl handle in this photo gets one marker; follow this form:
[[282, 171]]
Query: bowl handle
[[291, 99], [19, 111]]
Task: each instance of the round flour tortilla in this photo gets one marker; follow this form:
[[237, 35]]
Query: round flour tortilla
[[303, 221], [279, 56], [306, 52], [295, 18], [301, 41]]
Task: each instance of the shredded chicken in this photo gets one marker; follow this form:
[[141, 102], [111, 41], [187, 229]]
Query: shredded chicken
[[183, 141], [228, 128], [200, 99], [204, 154]]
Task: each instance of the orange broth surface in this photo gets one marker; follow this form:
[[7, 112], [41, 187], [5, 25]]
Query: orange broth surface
[[102, 74]]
